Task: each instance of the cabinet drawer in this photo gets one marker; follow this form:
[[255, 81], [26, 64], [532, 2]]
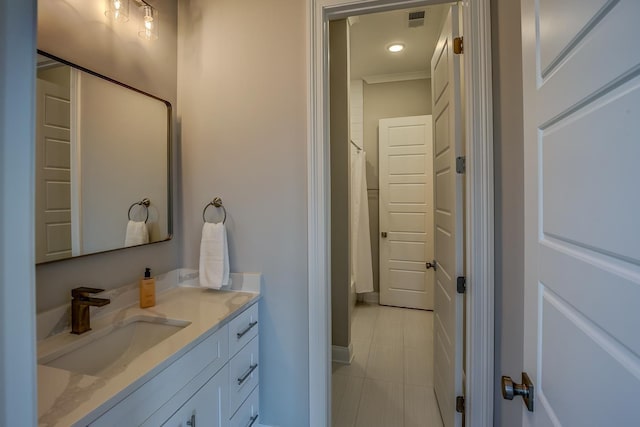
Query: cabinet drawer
[[242, 329], [213, 353], [207, 407], [248, 414], [243, 374]]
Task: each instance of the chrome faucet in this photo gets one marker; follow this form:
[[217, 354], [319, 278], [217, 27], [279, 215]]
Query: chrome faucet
[[80, 319]]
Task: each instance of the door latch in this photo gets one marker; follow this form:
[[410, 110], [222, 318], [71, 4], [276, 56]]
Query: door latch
[[509, 390], [433, 264]]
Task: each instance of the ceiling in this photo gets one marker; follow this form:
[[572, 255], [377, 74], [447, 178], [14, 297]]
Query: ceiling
[[371, 34]]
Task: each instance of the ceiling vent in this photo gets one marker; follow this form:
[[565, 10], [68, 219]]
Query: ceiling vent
[[416, 19]]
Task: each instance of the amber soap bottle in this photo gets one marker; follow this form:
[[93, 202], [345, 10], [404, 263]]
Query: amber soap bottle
[[147, 290]]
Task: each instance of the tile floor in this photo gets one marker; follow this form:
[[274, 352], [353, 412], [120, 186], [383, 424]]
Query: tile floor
[[390, 381]]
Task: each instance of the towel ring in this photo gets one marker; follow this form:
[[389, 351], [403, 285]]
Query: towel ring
[[144, 202], [217, 202]]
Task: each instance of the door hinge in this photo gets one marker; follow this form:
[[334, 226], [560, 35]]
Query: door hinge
[[461, 284], [460, 404], [461, 164], [458, 45]]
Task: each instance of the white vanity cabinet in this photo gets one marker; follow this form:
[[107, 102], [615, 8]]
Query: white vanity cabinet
[[213, 384], [208, 407]]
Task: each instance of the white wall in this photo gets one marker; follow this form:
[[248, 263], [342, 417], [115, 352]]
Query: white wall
[[78, 31], [356, 111], [17, 180], [242, 111]]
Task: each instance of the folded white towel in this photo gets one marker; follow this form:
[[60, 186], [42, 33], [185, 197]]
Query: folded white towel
[[214, 256], [137, 233]]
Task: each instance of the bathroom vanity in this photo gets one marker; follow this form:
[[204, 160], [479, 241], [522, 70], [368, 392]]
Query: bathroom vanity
[[193, 359]]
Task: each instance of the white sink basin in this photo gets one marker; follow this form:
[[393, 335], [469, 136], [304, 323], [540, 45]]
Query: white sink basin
[[112, 349]]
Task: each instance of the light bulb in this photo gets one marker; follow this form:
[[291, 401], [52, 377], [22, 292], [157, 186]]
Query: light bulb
[[118, 10], [396, 47], [148, 29]]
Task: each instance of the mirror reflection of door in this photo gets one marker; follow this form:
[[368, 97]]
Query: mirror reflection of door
[[102, 147], [53, 164]]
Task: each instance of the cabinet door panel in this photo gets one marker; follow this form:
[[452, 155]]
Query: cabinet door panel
[[208, 407], [248, 414]]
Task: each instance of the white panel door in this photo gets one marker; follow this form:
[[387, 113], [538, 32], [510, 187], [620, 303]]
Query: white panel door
[[53, 172], [582, 230], [406, 211], [449, 233]]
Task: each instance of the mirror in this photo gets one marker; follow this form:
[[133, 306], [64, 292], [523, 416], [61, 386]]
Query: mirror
[[102, 163]]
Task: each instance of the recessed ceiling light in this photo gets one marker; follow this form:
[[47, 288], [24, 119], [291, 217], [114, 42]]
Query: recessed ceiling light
[[395, 47]]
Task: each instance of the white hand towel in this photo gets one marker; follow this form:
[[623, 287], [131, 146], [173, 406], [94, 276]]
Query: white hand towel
[[214, 256], [137, 233]]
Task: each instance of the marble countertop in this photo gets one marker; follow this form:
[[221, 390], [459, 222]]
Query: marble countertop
[[67, 398]]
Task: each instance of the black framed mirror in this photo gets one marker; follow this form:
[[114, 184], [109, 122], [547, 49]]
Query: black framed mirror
[[103, 163]]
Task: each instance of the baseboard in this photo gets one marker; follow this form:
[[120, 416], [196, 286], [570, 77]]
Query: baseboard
[[341, 354], [369, 297]]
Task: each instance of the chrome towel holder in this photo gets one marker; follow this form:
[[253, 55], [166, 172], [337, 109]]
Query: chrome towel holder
[[217, 203], [144, 202]]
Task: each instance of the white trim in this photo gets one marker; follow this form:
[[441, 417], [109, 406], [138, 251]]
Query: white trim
[[340, 354], [479, 199], [397, 77]]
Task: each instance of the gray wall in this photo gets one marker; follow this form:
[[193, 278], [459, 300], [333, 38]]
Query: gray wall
[[124, 159], [340, 182], [242, 91], [17, 243], [77, 30], [509, 202], [381, 101]]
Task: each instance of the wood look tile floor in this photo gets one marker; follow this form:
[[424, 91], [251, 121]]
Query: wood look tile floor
[[390, 381]]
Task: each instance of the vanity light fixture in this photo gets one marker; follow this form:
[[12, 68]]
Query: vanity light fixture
[[395, 47], [149, 25], [118, 10]]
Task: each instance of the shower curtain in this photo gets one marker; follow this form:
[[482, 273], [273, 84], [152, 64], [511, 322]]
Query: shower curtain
[[361, 270]]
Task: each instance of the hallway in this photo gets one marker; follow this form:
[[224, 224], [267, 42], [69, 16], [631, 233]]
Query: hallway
[[390, 381]]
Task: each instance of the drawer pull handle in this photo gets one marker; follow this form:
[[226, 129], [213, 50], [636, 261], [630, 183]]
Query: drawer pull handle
[[246, 374], [247, 329], [252, 420]]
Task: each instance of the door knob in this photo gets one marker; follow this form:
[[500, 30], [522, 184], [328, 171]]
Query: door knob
[[433, 264], [511, 389], [384, 234]]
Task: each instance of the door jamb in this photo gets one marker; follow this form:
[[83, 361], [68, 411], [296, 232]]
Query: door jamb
[[479, 232]]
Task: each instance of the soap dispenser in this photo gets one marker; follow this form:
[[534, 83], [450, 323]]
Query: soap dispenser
[[147, 290]]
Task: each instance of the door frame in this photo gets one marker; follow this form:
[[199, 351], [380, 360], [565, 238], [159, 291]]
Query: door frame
[[479, 226]]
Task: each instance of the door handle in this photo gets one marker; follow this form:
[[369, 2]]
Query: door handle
[[433, 264], [191, 422], [384, 234], [510, 389]]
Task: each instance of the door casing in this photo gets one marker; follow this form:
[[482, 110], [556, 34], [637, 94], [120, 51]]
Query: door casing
[[479, 234]]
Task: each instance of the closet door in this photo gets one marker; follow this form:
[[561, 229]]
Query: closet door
[[406, 212]]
